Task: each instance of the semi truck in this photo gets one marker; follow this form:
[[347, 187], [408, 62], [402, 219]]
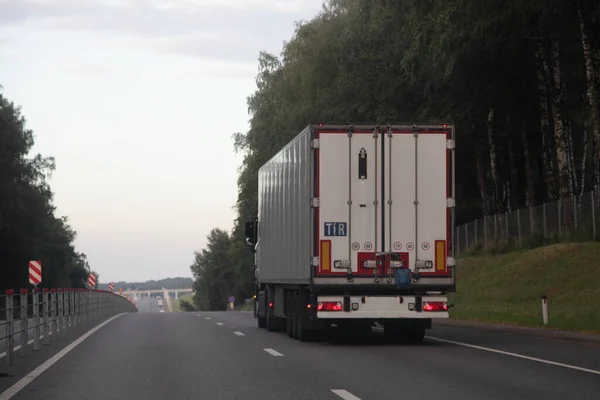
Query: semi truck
[[355, 228]]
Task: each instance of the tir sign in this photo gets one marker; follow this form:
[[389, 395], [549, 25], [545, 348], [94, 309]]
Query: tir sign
[[335, 229]]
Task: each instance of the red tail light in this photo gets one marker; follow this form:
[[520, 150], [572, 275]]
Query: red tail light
[[435, 306], [271, 304], [329, 306]]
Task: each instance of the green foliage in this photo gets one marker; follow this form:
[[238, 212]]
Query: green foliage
[[420, 61], [29, 228], [167, 283], [186, 306]]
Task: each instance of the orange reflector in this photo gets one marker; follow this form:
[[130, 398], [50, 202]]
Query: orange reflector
[[440, 255], [325, 259]]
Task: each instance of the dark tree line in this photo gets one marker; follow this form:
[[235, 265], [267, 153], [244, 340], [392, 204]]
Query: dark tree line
[[29, 226], [519, 79]]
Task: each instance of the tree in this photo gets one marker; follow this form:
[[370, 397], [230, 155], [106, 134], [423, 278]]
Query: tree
[[519, 79], [29, 228]]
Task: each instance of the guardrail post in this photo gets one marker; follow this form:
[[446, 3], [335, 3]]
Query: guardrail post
[[70, 302], [54, 314], [9, 326], [46, 329], [24, 323], [78, 307], [36, 319], [60, 302]]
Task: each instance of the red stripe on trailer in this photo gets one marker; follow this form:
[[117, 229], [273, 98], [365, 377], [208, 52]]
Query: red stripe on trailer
[[9, 292]]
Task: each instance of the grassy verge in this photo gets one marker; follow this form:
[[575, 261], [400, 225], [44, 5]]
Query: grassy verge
[[176, 305], [247, 307], [507, 288]]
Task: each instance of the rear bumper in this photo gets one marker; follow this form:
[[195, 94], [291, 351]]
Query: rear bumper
[[382, 307]]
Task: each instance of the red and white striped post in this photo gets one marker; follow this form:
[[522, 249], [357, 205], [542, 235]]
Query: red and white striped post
[[111, 286], [35, 272], [92, 281]]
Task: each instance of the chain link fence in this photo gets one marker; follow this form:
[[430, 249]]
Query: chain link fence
[[566, 219]]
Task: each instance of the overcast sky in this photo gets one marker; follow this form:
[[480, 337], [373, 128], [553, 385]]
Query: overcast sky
[[137, 100]]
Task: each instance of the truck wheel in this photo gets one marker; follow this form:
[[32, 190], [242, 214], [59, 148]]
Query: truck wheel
[[289, 325], [270, 323], [416, 335], [262, 323], [304, 335]]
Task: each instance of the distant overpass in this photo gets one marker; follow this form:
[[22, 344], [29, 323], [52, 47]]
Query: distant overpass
[[174, 292]]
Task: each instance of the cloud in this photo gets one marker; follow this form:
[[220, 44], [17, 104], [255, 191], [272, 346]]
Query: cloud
[[227, 30]]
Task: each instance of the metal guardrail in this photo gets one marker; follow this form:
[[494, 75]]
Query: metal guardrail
[[28, 316]]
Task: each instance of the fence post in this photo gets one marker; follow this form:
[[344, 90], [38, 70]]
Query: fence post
[[506, 225], [544, 217], [485, 231], [9, 326], [495, 228], [36, 319], [575, 212], [466, 237], [24, 323], [531, 226], [54, 312], [593, 215], [45, 304], [559, 207], [519, 225], [59, 321], [476, 234]]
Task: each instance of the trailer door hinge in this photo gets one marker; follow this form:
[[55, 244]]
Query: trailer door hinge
[[450, 144], [315, 202], [315, 143], [450, 202], [315, 261]]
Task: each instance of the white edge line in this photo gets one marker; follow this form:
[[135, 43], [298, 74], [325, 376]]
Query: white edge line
[[506, 353], [344, 394], [238, 333], [17, 387], [270, 351]]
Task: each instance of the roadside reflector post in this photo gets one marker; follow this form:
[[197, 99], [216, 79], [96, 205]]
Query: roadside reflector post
[[24, 323], [545, 309], [46, 329], [9, 326], [36, 319]]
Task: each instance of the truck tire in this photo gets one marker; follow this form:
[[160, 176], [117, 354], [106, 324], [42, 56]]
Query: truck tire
[[289, 325], [270, 322], [262, 323]]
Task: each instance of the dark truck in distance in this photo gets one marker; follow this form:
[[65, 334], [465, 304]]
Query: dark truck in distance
[[355, 226]]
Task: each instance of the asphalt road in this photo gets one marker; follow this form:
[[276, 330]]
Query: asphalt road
[[146, 305], [223, 355]]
